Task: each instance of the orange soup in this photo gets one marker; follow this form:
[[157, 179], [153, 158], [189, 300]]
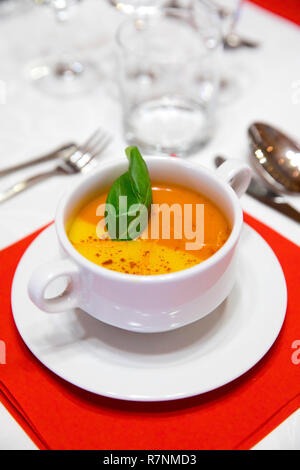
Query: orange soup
[[145, 255]]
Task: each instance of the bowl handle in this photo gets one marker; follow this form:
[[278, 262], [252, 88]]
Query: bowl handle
[[236, 174], [42, 278]]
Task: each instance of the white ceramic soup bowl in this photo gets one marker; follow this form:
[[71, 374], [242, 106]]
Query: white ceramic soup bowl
[[146, 303]]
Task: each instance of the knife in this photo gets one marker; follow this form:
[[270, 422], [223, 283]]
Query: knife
[[259, 191]]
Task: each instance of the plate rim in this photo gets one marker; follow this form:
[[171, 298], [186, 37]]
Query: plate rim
[[158, 398]]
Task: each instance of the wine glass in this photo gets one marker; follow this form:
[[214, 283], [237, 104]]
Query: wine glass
[[63, 74], [228, 11], [232, 77]]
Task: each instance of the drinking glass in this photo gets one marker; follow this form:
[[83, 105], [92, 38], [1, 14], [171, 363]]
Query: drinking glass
[[168, 78], [62, 73]]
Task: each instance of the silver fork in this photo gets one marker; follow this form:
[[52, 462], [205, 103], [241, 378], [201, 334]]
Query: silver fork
[[69, 165]]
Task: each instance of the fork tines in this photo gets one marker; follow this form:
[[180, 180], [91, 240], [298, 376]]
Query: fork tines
[[94, 145]]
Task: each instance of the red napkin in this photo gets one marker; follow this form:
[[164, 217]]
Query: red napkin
[[58, 415], [289, 9]]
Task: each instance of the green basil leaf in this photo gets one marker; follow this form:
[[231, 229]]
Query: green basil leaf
[[135, 186]]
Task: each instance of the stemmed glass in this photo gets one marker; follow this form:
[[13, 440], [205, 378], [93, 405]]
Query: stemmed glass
[[228, 11], [63, 74], [231, 79]]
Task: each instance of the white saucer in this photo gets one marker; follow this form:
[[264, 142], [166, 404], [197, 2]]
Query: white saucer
[[162, 366]]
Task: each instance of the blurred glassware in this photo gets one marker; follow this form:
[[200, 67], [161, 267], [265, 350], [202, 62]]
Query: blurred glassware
[[228, 11], [61, 73], [146, 7], [232, 77], [14, 7], [168, 78], [139, 7]]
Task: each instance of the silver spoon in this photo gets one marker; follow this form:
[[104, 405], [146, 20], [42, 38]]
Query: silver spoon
[[259, 191], [275, 157]]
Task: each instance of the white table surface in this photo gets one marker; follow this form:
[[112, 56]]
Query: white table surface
[[32, 122]]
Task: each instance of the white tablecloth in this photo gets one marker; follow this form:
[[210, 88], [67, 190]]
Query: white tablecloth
[[32, 122]]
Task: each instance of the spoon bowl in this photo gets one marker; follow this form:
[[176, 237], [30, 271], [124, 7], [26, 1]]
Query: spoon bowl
[[276, 158]]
